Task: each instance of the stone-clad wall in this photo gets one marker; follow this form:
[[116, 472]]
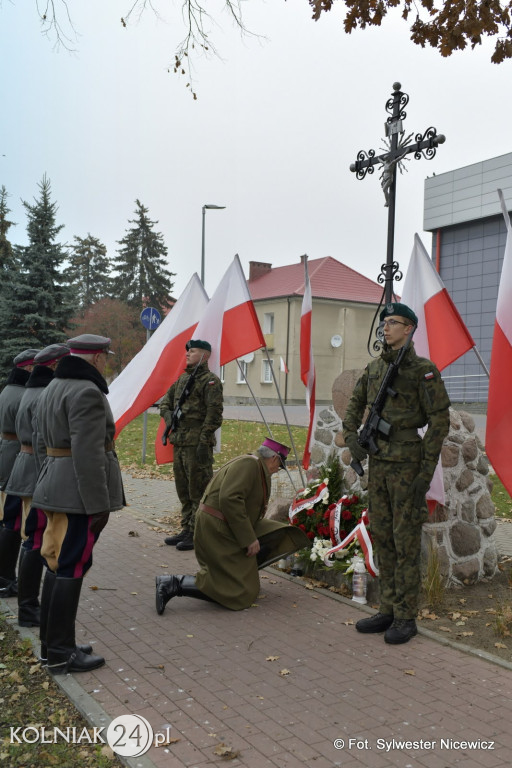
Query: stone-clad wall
[[462, 530]]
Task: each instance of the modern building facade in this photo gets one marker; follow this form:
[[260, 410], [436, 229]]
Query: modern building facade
[[344, 304], [463, 212]]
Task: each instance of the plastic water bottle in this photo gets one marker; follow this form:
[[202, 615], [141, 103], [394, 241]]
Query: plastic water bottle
[[359, 581]]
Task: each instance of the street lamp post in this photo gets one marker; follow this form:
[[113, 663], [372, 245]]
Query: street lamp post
[[210, 208]]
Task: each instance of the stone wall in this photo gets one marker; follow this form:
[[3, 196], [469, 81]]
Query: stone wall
[[462, 530]]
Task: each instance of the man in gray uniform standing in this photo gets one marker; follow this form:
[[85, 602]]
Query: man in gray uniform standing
[[79, 485], [11, 506]]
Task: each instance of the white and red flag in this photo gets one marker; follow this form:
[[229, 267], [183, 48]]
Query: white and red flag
[[307, 363], [499, 406], [441, 335], [282, 366], [230, 324], [148, 376]]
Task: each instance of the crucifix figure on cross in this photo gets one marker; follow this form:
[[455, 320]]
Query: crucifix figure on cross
[[398, 147]]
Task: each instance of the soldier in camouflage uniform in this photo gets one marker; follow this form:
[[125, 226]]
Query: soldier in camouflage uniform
[[401, 472], [194, 438]]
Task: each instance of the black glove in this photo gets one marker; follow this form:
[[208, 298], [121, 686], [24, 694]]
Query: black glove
[[203, 453], [418, 490], [357, 451], [166, 434]]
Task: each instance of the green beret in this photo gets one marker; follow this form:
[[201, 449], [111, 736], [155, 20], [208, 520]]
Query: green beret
[[402, 310], [198, 344]]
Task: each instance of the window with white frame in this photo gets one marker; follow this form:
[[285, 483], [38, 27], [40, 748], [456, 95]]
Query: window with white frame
[[241, 371], [268, 322], [266, 372]]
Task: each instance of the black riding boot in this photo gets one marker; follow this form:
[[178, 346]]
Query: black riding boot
[[176, 586], [30, 569], [63, 653], [46, 596], [10, 542]]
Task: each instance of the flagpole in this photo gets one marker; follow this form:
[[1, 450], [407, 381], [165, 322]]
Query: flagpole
[[285, 417], [482, 363], [254, 398]]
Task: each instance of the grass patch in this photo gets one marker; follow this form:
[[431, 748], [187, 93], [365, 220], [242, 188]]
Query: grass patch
[[30, 697], [501, 499], [237, 437]]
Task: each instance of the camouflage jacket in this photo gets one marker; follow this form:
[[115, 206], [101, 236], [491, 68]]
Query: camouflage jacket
[[202, 410], [421, 400]]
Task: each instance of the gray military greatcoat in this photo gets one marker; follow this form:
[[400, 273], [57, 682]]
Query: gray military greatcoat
[[74, 417]]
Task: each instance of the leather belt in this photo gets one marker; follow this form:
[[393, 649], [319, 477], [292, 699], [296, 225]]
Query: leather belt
[[58, 452], [9, 436], [213, 512], [26, 448]]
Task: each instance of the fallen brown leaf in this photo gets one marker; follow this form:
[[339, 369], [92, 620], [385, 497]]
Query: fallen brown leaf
[[409, 672], [222, 750], [272, 658]]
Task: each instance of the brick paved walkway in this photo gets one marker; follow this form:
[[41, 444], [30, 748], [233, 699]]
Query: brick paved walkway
[[204, 671]]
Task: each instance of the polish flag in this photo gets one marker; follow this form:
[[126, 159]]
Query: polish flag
[[230, 324], [441, 335], [148, 376], [499, 408], [283, 367], [307, 363]]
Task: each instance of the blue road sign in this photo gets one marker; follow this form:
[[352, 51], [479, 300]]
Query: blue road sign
[[150, 318]]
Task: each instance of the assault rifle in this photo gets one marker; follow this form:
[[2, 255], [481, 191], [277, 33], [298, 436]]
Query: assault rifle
[[178, 409], [374, 423]]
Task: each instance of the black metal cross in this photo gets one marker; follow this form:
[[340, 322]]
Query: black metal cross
[[399, 147]]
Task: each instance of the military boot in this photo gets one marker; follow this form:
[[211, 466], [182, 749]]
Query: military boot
[[176, 586], [30, 569], [401, 631], [173, 540], [186, 543], [10, 542], [377, 623], [46, 598]]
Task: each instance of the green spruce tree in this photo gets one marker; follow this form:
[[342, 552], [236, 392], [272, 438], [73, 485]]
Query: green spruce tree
[[6, 249], [89, 271], [143, 278], [37, 304]]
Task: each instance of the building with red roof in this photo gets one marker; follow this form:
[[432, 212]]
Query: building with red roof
[[344, 305]]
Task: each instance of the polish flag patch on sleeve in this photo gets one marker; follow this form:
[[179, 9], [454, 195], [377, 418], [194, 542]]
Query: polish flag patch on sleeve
[[429, 375]]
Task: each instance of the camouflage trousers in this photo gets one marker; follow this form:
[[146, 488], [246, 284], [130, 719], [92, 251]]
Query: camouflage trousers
[[191, 479], [396, 526]]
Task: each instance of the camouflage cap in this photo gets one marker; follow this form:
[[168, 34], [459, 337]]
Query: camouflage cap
[[198, 344], [25, 358], [89, 344], [51, 354], [402, 310]]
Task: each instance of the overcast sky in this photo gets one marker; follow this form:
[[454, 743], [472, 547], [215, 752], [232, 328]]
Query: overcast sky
[[271, 136]]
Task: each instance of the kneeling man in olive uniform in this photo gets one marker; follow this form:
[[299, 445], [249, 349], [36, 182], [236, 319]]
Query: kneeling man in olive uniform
[[232, 540], [78, 486]]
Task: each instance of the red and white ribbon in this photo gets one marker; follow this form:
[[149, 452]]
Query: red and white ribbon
[[321, 493], [360, 532]]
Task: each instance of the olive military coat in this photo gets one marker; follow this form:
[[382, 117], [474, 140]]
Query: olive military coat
[[73, 414], [240, 490]]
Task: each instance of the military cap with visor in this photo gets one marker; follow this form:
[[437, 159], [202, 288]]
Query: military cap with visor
[[396, 308], [198, 344], [89, 344], [25, 358], [51, 354]]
